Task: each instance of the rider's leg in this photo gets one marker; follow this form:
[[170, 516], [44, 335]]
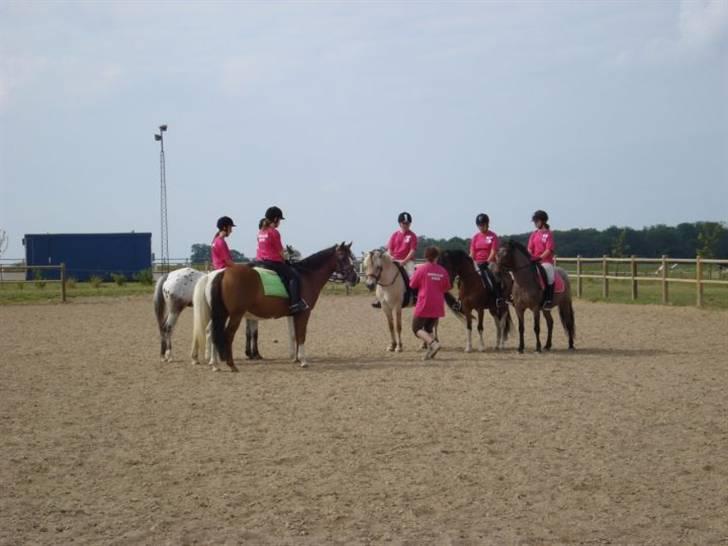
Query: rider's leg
[[548, 296]]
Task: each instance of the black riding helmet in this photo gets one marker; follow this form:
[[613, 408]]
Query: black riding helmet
[[225, 221], [273, 214], [404, 217], [540, 215], [482, 219]]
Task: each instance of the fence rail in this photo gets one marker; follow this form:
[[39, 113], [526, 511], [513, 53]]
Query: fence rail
[[634, 276], [4, 269]]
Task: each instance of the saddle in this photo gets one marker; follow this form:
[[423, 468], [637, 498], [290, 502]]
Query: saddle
[[272, 283], [559, 284], [410, 297]]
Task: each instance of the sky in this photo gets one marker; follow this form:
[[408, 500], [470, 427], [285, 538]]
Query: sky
[[346, 113]]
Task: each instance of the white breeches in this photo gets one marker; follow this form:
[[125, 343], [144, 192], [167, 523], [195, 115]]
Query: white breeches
[[550, 270]]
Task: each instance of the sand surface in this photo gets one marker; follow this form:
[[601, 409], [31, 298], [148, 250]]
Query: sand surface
[[624, 441]]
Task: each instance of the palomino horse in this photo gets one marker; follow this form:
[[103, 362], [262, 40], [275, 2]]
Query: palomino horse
[[528, 294], [172, 294], [384, 275], [238, 291], [475, 295]]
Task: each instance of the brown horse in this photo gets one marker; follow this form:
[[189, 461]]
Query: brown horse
[[475, 295], [528, 294], [238, 292]]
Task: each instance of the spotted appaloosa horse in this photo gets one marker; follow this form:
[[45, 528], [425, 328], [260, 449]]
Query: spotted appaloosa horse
[[172, 294], [238, 292]]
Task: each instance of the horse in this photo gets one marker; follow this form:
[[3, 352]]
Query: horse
[[383, 275], [528, 294], [172, 293], [475, 295], [238, 292]]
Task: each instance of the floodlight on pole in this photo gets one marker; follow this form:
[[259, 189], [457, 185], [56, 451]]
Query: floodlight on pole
[[163, 201]]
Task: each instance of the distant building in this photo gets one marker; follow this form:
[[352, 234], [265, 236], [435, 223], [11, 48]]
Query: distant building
[[88, 254]]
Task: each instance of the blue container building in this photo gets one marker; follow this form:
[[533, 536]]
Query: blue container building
[[88, 254]]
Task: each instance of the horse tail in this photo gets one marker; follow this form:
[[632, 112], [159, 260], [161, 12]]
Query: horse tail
[[159, 306], [218, 316], [508, 324], [452, 305], [201, 314], [566, 313]]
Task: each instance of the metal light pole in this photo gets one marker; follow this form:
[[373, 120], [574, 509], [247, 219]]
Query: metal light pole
[[163, 201]]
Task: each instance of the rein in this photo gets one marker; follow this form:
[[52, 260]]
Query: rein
[[378, 276]]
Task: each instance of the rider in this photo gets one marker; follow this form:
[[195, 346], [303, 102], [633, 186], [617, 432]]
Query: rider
[[483, 247], [270, 256], [541, 246], [402, 246], [432, 282], [220, 252]]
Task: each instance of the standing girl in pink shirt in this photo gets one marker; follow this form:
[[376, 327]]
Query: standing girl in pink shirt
[[221, 257], [541, 246], [483, 247], [432, 282], [270, 256]]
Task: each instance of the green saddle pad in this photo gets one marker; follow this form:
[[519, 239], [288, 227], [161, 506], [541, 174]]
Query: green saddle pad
[[272, 284]]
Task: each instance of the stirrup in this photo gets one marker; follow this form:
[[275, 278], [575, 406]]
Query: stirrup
[[298, 307], [547, 305]]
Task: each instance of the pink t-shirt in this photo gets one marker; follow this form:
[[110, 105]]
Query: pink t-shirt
[[482, 244], [220, 253], [431, 281], [270, 247], [401, 243], [540, 241]]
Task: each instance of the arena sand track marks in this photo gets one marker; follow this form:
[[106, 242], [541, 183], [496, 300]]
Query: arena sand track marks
[[625, 441]]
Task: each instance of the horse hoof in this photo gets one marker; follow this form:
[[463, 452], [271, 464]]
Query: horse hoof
[[572, 348], [215, 369], [234, 369], [304, 364], [399, 349], [468, 349], [390, 349], [520, 351]]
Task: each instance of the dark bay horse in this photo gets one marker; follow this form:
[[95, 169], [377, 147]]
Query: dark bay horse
[[528, 294], [238, 292], [475, 295]]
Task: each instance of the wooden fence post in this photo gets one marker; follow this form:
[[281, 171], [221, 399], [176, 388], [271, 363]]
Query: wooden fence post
[[699, 280], [633, 274], [63, 283], [578, 275], [605, 280], [665, 290]]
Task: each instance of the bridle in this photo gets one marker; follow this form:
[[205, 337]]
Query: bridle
[[378, 274]]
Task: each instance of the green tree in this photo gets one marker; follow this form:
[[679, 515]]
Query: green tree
[[200, 253]]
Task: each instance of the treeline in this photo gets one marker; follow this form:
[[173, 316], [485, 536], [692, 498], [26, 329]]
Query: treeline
[[707, 239]]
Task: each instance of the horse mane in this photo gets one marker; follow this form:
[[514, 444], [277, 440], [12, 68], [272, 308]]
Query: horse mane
[[315, 261], [518, 246], [456, 254]]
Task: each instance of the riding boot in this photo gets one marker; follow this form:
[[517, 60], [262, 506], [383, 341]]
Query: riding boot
[[377, 304], [548, 296], [297, 305], [498, 293]]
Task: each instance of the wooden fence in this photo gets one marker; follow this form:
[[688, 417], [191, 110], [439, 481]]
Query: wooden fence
[[23, 269], [632, 274]]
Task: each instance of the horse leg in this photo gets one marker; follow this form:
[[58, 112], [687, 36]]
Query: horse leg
[[232, 327], [390, 321], [519, 313], [169, 324], [537, 327], [301, 321], [256, 352], [248, 340], [549, 329], [481, 340], [292, 348], [468, 330], [399, 328]]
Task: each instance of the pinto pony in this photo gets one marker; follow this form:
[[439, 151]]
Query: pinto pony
[[476, 296], [528, 294], [172, 293], [238, 292]]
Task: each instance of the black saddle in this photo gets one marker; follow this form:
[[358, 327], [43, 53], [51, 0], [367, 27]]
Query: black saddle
[[409, 295]]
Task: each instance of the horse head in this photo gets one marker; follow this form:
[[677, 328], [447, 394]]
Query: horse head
[[454, 262], [345, 269], [374, 263], [512, 256]]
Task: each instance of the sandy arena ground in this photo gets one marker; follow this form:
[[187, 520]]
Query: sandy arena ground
[[623, 442]]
